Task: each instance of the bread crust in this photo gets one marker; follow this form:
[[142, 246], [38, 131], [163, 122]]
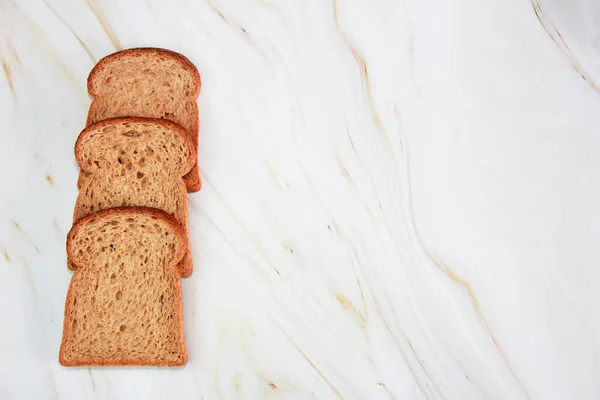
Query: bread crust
[[192, 179], [178, 230]]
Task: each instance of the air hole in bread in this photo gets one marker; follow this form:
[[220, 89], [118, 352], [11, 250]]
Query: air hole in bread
[[118, 295], [113, 278], [122, 328], [139, 175]]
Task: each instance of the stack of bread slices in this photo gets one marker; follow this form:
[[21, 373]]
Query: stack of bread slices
[[129, 245]]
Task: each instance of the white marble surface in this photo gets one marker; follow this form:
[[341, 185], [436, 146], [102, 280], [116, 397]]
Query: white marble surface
[[401, 198]]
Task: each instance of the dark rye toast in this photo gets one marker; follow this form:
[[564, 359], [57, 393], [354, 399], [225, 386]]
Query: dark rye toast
[[135, 162], [124, 303], [148, 82]]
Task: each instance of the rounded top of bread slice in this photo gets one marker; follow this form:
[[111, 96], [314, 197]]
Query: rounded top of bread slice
[[135, 143], [144, 67], [118, 232]]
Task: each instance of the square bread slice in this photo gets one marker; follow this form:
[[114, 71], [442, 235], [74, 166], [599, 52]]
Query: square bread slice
[[124, 303], [148, 82], [135, 162]]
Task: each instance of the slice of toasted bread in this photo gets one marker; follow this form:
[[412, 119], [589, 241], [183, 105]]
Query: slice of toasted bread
[[124, 303], [148, 82], [135, 162]]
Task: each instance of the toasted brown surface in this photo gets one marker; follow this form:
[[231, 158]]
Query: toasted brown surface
[[148, 82], [124, 303], [135, 162]]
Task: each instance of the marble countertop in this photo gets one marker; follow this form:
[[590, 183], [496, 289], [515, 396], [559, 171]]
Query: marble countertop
[[400, 201]]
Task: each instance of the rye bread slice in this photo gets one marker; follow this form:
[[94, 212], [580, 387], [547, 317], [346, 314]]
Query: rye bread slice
[[135, 162], [148, 82], [124, 303]]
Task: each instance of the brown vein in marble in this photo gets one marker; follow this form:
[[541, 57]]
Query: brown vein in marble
[[430, 376], [387, 326], [404, 357], [237, 27], [28, 275], [345, 172], [244, 257], [273, 174], [383, 385], [219, 13], [316, 369], [288, 248], [351, 308], [106, 27], [50, 180], [26, 236], [475, 303], [39, 34], [87, 50], [363, 316], [557, 38], [8, 74], [6, 255], [8, 57], [364, 72]]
